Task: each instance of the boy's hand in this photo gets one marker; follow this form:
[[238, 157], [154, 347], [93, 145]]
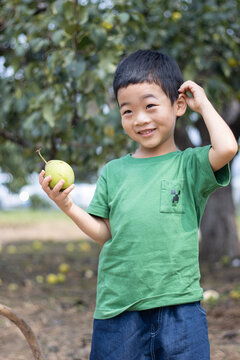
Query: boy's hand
[[61, 198], [198, 100]]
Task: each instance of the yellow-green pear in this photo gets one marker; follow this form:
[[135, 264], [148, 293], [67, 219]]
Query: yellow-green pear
[[58, 170]]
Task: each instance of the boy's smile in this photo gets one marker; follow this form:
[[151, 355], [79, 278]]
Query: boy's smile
[[146, 132], [149, 118]]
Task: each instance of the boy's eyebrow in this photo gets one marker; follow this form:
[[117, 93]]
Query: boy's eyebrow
[[142, 97]]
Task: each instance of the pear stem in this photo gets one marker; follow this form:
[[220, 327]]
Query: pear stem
[[39, 153]]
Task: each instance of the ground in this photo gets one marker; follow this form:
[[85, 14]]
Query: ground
[[61, 313]]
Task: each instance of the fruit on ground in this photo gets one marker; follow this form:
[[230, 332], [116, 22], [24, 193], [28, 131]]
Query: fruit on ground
[[51, 279], [63, 268]]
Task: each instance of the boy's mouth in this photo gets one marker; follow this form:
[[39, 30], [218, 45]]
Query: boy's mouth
[[146, 132]]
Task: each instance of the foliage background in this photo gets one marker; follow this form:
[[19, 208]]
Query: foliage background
[[57, 64]]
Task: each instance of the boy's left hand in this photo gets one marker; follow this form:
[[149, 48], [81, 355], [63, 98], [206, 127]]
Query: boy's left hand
[[198, 99]]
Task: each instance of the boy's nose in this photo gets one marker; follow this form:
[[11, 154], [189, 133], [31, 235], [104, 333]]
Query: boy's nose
[[142, 119]]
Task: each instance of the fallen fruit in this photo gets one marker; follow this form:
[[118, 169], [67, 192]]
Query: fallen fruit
[[210, 295], [11, 249], [85, 247], [58, 170], [39, 279], [61, 278], [70, 247], [89, 274], [51, 279], [63, 268], [37, 245], [13, 287], [235, 294]]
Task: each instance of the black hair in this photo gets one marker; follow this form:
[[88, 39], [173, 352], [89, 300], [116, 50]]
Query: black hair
[[149, 66]]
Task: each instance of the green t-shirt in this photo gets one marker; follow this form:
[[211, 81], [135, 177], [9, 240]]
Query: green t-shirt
[[154, 206]]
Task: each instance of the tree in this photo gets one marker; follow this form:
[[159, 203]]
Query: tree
[[58, 59]]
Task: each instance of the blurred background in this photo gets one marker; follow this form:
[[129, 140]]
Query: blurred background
[[57, 61]]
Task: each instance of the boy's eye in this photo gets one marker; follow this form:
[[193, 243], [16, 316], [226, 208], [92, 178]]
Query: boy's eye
[[150, 106], [127, 112]]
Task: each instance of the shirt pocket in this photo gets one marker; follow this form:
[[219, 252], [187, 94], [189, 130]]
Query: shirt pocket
[[172, 196]]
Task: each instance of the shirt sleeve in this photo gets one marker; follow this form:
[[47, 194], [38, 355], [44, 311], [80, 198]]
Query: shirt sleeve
[[99, 203], [204, 179]]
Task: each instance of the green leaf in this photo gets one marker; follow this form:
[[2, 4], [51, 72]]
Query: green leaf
[[99, 36], [69, 10], [30, 122], [70, 29], [76, 68], [92, 109], [48, 114], [38, 44], [226, 69], [124, 17], [57, 6], [84, 42], [82, 14], [57, 36], [107, 66]]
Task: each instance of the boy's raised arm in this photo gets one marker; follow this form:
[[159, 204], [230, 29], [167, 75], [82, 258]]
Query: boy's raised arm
[[224, 145], [96, 228]]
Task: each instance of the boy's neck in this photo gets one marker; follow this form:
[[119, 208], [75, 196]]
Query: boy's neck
[[146, 153]]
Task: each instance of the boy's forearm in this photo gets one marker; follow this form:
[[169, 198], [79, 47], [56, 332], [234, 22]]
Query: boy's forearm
[[94, 227], [224, 144], [222, 138]]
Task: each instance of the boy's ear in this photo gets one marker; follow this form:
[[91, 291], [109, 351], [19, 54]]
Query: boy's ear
[[181, 105]]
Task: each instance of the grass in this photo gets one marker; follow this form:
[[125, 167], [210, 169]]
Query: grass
[[29, 216], [238, 224]]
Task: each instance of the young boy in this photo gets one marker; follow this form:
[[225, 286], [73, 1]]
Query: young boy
[[146, 212]]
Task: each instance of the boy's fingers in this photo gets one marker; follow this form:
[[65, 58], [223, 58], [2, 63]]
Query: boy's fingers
[[58, 187], [191, 87], [187, 85], [68, 189], [45, 183], [185, 88], [41, 177]]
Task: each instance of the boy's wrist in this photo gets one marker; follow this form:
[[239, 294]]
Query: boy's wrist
[[66, 206], [205, 107]]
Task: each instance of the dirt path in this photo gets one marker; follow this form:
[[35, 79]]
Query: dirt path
[[62, 328], [61, 315], [56, 231]]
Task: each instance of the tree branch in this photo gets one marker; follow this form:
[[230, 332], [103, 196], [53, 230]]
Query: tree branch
[[42, 7], [200, 125], [231, 114], [13, 138], [181, 136], [75, 42], [4, 22], [25, 329], [53, 147], [75, 118]]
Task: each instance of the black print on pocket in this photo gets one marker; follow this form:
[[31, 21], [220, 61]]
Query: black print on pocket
[[175, 198], [172, 196]]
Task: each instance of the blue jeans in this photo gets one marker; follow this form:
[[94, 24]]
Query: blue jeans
[[176, 332]]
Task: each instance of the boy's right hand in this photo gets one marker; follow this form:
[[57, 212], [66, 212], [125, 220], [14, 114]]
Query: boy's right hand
[[61, 198]]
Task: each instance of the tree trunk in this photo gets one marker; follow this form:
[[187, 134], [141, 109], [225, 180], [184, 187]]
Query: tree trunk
[[219, 235]]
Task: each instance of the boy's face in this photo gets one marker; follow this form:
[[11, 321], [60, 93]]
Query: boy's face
[[149, 118]]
